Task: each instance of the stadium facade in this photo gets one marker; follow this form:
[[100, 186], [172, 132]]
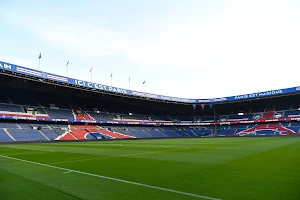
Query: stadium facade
[[39, 106]]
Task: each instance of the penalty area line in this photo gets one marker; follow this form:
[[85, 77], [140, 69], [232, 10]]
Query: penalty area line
[[112, 179], [117, 156], [30, 149]]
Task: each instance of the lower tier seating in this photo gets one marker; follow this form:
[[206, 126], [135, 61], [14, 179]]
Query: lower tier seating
[[26, 132], [4, 137], [51, 134], [26, 135]]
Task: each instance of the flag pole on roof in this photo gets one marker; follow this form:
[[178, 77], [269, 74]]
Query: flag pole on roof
[[67, 65], [91, 71], [144, 83], [111, 75], [40, 56], [129, 82]]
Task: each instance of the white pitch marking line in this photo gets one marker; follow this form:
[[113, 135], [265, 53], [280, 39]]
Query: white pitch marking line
[[124, 155], [30, 149], [117, 156], [113, 179], [11, 154], [67, 172]]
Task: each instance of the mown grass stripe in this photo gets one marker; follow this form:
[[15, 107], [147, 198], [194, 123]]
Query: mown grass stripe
[[113, 179]]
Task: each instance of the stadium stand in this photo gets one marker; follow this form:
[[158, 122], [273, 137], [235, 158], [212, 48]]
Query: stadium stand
[[33, 110]]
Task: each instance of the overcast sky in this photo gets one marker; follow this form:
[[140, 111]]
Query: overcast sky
[[182, 48]]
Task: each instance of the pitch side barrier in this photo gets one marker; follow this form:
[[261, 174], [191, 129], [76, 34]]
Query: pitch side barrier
[[105, 88], [288, 119]]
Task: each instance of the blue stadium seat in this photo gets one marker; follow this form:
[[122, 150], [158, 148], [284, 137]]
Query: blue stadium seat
[[207, 118], [292, 113], [4, 137], [51, 134], [90, 137], [101, 116], [60, 114], [241, 117], [26, 135], [98, 135], [10, 108], [8, 125]]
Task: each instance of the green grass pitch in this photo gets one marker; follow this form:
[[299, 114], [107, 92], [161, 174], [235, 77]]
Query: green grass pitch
[[173, 169]]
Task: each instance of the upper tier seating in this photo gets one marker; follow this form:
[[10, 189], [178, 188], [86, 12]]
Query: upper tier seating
[[268, 115], [59, 114], [185, 118], [80, 117], [88, 117], [75, 107], [258, 108], [10, 108], [296, 105], [159, 118], [22, 97], [240, 117], [292, 113], [134, 117], [282, 107], [58, 100], [3, 99], [101, 116], [207, 118], [41, 111]]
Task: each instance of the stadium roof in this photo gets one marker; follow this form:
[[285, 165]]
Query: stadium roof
[[67, 81]]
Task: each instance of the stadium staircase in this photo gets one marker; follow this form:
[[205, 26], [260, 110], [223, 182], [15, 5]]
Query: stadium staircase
[[66, 136]]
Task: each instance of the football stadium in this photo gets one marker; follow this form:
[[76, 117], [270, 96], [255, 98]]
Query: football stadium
[[63, 138], [149, 100]]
